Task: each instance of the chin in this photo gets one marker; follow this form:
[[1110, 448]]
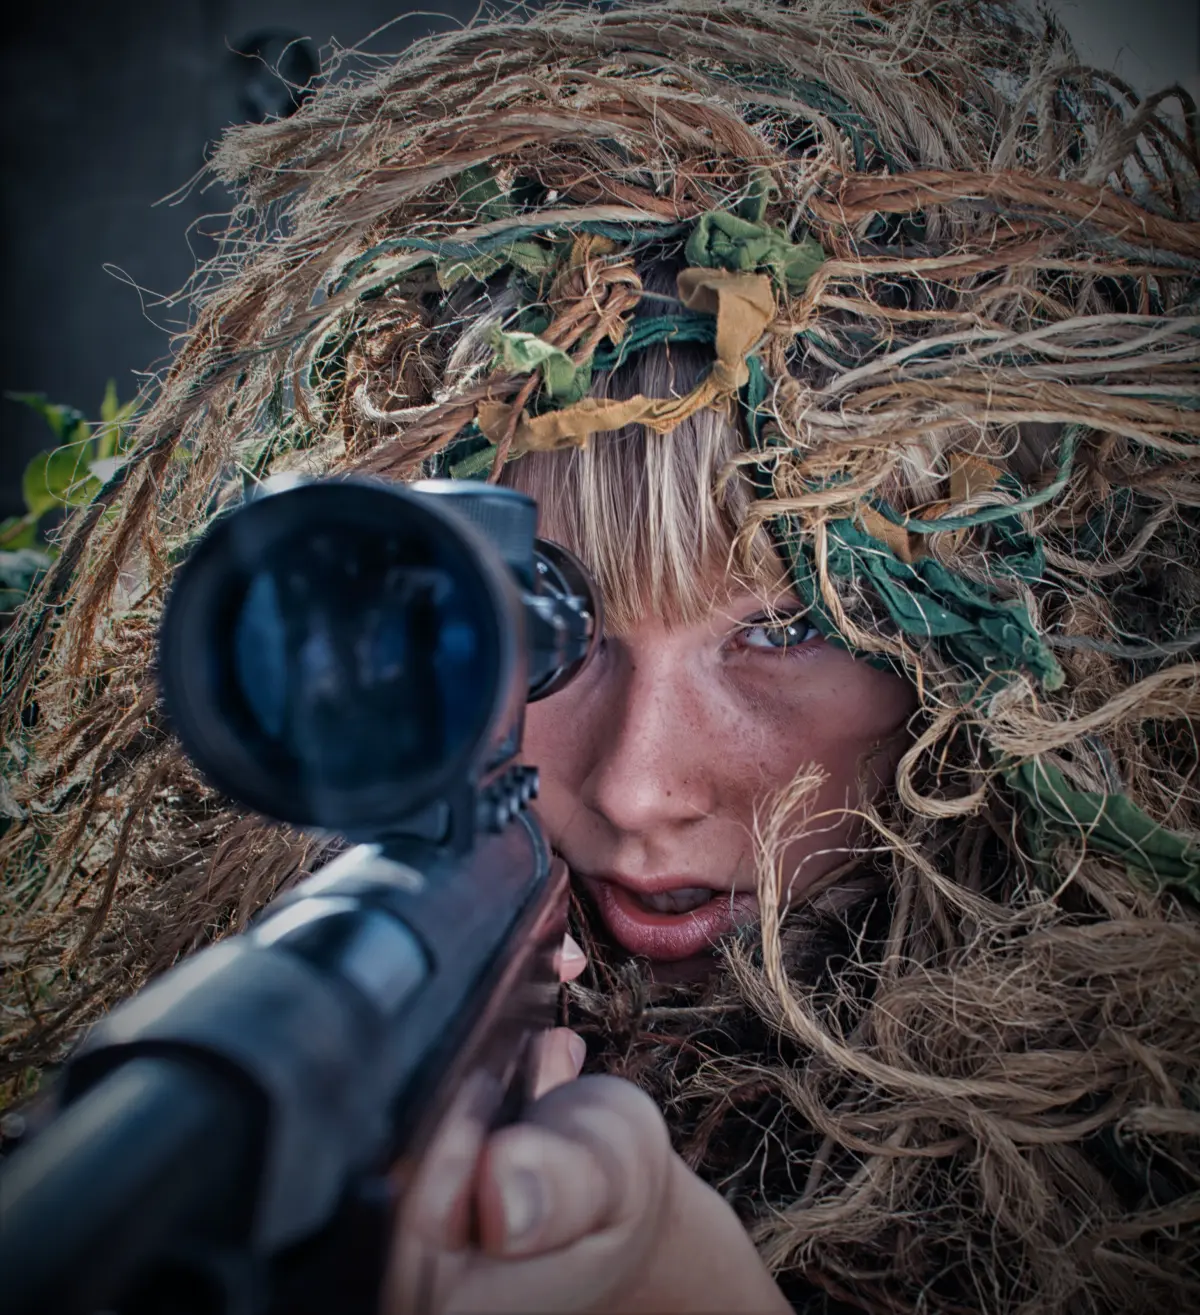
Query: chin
[[675, 972]]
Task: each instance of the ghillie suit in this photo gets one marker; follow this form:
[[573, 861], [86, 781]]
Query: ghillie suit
[[950, 281]]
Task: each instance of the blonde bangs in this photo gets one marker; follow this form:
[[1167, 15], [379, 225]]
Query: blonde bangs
[[651, 515]]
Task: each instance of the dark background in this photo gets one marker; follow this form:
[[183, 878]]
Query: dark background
[[106, 111]]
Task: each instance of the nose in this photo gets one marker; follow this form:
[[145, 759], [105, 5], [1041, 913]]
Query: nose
[[655, 754]]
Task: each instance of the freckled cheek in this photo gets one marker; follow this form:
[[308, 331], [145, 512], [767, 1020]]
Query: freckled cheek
[[828, 735], [854, 701], [859, 702], [558, 742], [838, 724]]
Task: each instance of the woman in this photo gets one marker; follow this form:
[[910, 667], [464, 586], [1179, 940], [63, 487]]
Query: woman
[[854, 351]]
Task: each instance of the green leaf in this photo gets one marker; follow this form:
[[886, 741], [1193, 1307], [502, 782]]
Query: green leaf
[[108, 434], [112, 434], [61, 419], [50, 476], [67, 465], [35, 484], [108, 439], [18, 532], [108, 407], [124, 428], [82, 492], [114, 439]]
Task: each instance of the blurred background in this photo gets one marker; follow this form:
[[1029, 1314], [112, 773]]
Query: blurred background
[[108, 111]]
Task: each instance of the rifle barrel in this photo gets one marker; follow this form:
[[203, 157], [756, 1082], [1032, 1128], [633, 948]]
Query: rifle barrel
[[160, 1142]]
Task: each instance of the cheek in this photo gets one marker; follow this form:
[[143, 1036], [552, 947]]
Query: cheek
[[849, 720], [838, 713], [557, 739], [549, 741]]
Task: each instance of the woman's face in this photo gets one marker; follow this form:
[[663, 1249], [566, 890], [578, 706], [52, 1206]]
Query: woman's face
[[654, 759]]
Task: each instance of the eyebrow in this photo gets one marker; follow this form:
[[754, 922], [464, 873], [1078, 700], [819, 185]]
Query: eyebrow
[[741, 600], [742, 607]]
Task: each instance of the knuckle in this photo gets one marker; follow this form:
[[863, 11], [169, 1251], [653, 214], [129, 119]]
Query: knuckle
[[631, 1103]]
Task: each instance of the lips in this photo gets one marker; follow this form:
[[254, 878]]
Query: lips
[[669, 936]]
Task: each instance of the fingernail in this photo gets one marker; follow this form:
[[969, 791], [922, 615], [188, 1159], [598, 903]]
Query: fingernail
[[521, 1200], [577, 1049], [571, 953]]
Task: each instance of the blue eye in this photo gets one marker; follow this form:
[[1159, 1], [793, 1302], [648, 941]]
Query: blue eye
[[776, 636]]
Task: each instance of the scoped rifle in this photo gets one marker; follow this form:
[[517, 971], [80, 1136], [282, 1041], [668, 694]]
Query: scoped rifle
[[353, 658]]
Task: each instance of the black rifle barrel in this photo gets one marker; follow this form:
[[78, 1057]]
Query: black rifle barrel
[[157, 1132]]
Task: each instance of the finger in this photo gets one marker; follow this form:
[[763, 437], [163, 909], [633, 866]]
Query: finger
[[559, 1055], [438, 1186], [570, 960], [590, 1154]]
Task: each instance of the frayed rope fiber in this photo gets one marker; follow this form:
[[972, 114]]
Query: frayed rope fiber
[[946, 282]]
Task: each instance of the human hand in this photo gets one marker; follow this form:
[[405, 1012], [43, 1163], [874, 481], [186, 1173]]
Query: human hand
[[584, 1207], [560, 1052]]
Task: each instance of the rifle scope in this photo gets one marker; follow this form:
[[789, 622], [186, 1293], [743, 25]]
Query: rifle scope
[[344, 654], [240, 1136]]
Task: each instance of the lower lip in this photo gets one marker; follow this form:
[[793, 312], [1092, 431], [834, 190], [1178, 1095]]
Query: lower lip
[[670, 936]]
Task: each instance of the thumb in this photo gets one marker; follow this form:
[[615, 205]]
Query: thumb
[[590, 1157], [570, 1204]]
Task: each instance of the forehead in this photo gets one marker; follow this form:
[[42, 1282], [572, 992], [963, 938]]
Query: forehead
[[655, 526], [667, 578]]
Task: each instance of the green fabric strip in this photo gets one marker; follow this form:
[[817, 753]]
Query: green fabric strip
[[644, 331], [478, 187], [928, 603], [817, 96], [475, 465], [1110, 823], [564, 381], [992, 515], [721, 240], [758, 195], [982, 635], [531, 258], [447, 249], [522, 353]]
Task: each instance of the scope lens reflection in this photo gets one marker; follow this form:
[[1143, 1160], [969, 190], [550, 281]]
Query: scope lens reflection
[[357, 658]]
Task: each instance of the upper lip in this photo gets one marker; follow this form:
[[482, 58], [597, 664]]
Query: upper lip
[[657, 885]]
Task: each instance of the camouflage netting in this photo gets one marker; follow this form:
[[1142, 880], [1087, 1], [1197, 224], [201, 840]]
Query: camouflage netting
[[951, 281]]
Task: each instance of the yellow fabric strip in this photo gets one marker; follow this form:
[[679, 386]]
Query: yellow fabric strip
[[969, 477], [744, 305], [897, 539]]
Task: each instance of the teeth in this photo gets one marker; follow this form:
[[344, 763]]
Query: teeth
[[678, 901]]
